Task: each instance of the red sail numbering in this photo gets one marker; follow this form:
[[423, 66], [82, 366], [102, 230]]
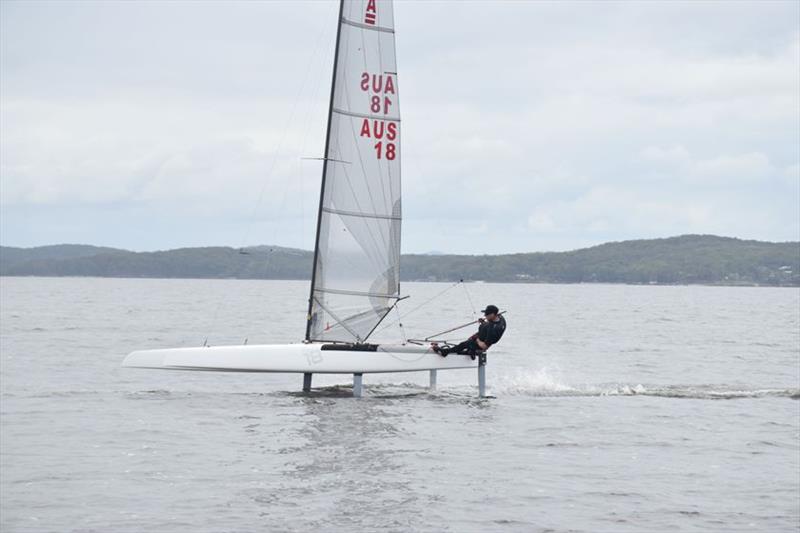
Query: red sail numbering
[[379, 86], [370, 13]]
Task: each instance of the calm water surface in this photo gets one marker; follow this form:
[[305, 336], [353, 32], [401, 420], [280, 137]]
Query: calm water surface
[[615, 408]]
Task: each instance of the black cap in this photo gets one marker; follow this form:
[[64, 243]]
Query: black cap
[[490, 310]]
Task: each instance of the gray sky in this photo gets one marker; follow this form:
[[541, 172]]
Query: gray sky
[[527, 125]]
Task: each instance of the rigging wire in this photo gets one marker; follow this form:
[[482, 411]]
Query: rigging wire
[[325, 30], [314, 110], [469, 299], [417, 308], [284, 135], [400, 323]]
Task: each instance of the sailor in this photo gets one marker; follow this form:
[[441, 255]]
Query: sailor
[[492, 327]]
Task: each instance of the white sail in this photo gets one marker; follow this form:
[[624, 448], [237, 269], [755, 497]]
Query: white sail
[[357, 256]]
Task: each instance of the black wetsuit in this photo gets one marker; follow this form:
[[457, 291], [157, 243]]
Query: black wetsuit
[[489, 332]]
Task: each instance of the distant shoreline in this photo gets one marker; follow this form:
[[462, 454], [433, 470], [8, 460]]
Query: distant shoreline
[[684, 260], [622, 284]]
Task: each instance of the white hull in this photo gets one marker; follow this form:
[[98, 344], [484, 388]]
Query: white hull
[[301, 358]]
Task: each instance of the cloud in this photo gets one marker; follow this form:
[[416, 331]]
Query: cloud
[[563, 124], [791, 175], [666, 154], [677, 163], [606, 207], [750, 167], [539, 221]]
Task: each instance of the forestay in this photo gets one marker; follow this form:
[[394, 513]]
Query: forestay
[[357, 257]]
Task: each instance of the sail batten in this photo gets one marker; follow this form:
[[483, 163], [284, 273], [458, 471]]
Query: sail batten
[[358, 214], [355, 280], [362, 115], [366, 26], [356, 293]]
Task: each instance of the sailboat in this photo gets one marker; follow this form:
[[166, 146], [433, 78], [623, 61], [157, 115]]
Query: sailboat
[[355, 282]]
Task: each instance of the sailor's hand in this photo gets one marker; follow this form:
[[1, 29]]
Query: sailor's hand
[[481, 320], [482, 345]]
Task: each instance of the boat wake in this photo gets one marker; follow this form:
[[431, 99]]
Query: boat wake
[[542, 383]]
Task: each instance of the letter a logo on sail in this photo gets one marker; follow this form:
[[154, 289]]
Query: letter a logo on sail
[[370, 13]]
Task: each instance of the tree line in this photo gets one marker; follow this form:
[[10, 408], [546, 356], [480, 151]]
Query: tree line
[[687, 259]]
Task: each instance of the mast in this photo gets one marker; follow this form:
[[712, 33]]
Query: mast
[[324, 171]]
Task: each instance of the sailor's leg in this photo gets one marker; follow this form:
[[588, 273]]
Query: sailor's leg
[[433, 379], [459, 348], [307, 381], [473, 348], [468, 347], [357, 385]]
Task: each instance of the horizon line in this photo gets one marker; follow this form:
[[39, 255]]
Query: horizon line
[[431, 252]]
